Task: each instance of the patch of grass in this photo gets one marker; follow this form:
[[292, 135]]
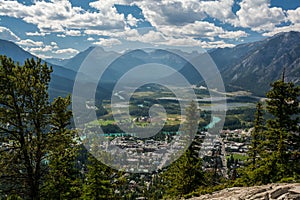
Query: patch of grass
[[237, 156]]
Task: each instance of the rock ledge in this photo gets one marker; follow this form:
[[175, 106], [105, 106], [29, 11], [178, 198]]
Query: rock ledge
[[278, 191]]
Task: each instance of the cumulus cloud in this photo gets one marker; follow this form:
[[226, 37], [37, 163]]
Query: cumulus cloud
[[43, 56], [132, 21], [54, 45], [35, 34], [69, 51], [294, 27], [174, 22], [61, 35], [54, 16], [259, 16], [152, 37], [126, 32], [196, 29], [107, 42], [294, 16], [221, 10], [73, 32], [30, 43], [177, 12], [52, 50], [157, 38], [90, 39], [46, 48], [7, 34], [233, 34]]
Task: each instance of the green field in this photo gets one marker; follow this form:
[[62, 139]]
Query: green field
[[237, 156]]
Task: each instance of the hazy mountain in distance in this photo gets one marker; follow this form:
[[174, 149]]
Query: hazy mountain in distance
[[62, 79], [116, 64], [94, 58], [18, 54], [250, 67], [57, 61], [253, 66]]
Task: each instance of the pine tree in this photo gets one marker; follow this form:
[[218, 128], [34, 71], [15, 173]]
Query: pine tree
[[99, 181], [256, 135], [26, 118], [283, 129], [62, 180], [278, 147], [185, 174]]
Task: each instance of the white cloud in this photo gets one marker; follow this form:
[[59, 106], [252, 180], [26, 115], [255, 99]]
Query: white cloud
[[152, 37], [69, 51], [293, 19], [73, 32], [196, 29], [126, 32], [55, 16], [178, 12], [259, 16], [61, 35], [7, 34], [108, 42], [295, 27], [294, 16], [132, 21], [49, 51], [175, 22], [221, 9], [165, 12], [30, 43], [201, 29], [35, 34], [46, 48], [216, 44], [233, 34], [53, 44], [157, 38], [43, 56]]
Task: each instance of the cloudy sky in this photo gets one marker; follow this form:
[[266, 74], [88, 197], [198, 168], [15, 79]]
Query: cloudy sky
[[62, 28]]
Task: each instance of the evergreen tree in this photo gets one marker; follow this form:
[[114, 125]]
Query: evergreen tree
[[278, 147], [185, 174], [26, 118], [283, 130], [99, 181], [62, 180], [256, 135]]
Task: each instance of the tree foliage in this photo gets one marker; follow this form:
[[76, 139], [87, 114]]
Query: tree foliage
[[185, 174], [256, 135], [277, 146], [33, 129]]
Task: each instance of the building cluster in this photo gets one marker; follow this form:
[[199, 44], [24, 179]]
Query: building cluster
[[145, 154]]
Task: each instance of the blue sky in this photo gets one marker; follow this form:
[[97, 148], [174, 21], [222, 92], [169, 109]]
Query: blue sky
[[62, 28]]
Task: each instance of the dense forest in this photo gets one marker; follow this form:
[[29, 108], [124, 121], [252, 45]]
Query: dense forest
[[41, 158]]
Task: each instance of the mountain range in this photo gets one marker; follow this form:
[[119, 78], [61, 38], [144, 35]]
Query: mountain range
[[249, 67]]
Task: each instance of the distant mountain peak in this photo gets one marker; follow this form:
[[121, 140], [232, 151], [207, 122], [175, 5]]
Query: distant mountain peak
[[264, 63], [287, 34]]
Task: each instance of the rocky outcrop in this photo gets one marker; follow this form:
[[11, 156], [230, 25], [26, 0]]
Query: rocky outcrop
[[280, 191]]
